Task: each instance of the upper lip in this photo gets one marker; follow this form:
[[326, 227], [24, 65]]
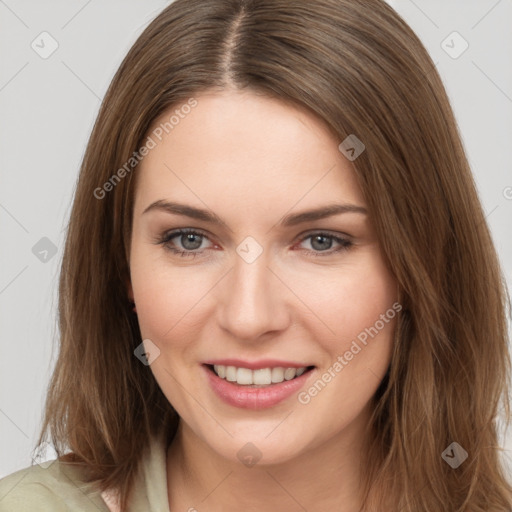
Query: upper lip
[[256, 365]]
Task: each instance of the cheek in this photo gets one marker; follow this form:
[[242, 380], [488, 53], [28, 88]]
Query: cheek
[[168, 296], [347, 300], [361, 309]]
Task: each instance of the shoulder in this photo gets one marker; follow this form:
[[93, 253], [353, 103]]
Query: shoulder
[[54, 486]]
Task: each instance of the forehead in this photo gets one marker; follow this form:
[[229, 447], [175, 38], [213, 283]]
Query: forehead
[[247, 150]]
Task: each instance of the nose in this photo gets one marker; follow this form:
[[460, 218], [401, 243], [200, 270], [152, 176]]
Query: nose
[[253, 300]]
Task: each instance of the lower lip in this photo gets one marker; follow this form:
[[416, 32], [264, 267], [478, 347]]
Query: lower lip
[[254, 398]]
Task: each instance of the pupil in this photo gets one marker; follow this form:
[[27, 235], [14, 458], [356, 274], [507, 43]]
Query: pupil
[[189, 238], [320, 237]]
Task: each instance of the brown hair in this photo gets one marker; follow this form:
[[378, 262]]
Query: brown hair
[[361, 69]]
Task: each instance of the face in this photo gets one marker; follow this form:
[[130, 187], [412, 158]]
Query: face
[[254, 286]]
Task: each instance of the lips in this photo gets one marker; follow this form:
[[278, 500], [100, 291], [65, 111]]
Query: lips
[[256, 396]]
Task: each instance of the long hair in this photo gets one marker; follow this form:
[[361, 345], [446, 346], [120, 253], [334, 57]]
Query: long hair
[[361, 69]]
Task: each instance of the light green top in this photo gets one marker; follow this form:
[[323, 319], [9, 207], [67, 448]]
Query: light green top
[[57, 487]]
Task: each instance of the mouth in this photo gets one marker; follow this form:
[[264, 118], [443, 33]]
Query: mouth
[[259, 378], [256, 385]]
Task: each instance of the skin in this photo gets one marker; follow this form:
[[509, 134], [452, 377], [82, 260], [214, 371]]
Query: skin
[[252, 160]]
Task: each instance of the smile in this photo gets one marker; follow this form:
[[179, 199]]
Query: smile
[[255, 389]]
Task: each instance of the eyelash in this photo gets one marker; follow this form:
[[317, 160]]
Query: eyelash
[[164, 240]]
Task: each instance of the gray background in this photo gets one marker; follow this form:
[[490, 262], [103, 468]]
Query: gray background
[[47, 109]]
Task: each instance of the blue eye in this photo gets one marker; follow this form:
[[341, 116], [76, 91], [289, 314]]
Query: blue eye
[[191, 240], [320, 238], [187, 237]]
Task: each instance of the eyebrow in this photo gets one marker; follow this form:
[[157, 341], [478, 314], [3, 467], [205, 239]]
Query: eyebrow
[[289, 220]]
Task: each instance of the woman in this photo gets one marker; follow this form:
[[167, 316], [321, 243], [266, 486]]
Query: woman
[[215, 354]]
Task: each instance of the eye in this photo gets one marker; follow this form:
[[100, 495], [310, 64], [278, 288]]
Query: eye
[[323, 242], [192, 239]]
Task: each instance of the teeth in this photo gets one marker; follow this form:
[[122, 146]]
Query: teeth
[[289, 373], [244, 376], [277, 375], [220, 370], [261, 377], [231, 373]]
